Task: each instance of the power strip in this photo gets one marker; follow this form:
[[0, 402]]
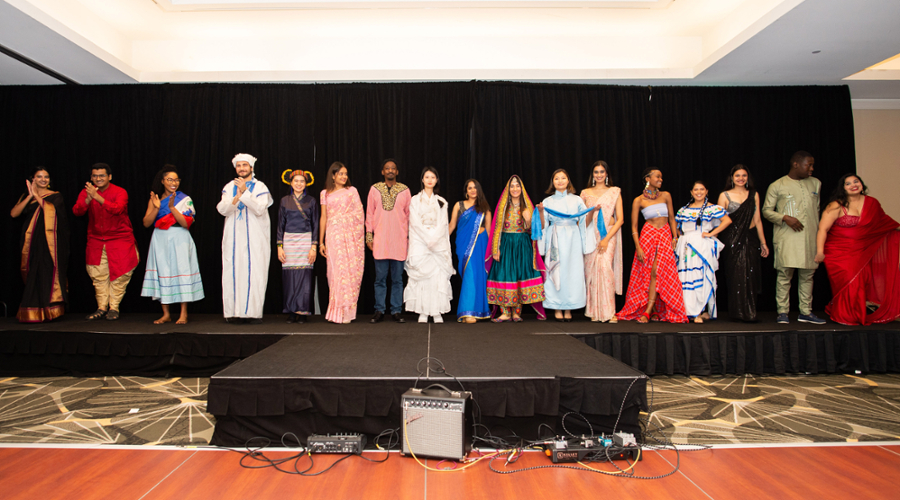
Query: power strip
[[341, 444]]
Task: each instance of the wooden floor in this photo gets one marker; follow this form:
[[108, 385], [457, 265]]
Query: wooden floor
[[869, 472]]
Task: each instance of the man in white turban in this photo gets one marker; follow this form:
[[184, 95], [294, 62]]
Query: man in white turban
[[246, 244]]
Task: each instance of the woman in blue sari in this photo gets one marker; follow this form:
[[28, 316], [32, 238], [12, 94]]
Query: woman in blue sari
[[473, 215]]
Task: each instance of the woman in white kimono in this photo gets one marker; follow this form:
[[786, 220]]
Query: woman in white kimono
[[698, 252], [563, 242], [429, 263]]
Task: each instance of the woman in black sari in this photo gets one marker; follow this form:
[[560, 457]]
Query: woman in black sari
[[45, 250], [744, 244]]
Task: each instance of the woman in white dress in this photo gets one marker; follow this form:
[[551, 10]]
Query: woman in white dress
[[698, 252], [429, 262]]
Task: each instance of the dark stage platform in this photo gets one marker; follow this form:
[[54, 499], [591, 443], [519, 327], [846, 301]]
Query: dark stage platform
[[133, 345], [353, 383]]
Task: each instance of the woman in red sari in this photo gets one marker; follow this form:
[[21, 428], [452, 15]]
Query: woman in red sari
[[860, 247]]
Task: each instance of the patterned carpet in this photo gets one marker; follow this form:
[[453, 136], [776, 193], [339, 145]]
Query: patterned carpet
[[788, 409], [107, 410], [723, 410]]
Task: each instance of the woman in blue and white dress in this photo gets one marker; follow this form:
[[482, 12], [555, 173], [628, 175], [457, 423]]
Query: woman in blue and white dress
[[172, 274], [563, 241], [698, 252]]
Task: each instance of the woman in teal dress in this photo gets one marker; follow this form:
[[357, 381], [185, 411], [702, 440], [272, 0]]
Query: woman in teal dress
[[514, 265], [473, 217]]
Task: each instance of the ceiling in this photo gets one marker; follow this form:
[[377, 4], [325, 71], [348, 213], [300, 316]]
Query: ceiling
[[630, 42]]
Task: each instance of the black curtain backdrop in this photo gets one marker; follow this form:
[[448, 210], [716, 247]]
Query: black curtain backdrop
[[484, 130]]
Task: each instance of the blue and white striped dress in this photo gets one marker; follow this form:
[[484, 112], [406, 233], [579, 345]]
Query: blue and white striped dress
[[698, 258]]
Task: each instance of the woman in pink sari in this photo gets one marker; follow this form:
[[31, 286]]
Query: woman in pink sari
[[860, 246], [341, 241], [603, 266]]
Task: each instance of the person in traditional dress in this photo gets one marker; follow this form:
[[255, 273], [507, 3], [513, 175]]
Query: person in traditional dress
[[387, 236], [45, 250], [654, 290], [429, 263], [744, 242], [297, 241], [860, 246], [172, 274], [792, 205], [698, 250], [111, 253], [342, 241], [603, 266], [564, 241], [513, 262], [246, 243], [474, 217]]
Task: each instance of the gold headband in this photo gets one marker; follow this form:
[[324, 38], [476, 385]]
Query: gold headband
[[310, 180]]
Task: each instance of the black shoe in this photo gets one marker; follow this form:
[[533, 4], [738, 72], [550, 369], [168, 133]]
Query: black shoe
[[253, 321], [398, 318], [234, 321], [567, 320], [300, 318], [377, 318], [291, 318]]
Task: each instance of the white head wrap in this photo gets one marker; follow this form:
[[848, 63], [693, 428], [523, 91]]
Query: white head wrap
[[243, 157]]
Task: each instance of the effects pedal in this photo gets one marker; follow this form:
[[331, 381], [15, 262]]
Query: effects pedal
[[562, 450], [341, 444]]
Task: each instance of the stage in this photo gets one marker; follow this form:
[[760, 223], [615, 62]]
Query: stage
[[319, 377], [133, 345]]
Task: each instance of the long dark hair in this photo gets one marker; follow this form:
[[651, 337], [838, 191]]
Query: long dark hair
[[437, 185], [729, 183], [332, 170], [599, 163], [840, 194], [552, 189], [705, 202], [481, 203], [521, 195], [157, 186]]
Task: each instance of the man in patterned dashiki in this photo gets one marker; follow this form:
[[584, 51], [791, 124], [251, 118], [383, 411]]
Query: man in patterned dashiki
[[387, 236]]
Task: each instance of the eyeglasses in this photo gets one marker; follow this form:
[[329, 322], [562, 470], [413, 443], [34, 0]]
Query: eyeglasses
[[169, 179], [101, 176]]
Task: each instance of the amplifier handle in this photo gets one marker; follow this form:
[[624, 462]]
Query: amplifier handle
[[438, 385]]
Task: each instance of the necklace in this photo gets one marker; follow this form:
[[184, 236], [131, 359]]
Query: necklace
[[651, 194]]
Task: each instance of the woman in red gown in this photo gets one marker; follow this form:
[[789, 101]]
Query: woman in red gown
[[860, 246]]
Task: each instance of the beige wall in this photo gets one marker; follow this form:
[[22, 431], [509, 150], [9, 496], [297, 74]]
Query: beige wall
[[878, 153]]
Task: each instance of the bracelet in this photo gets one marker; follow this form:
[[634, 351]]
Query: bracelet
[[634, 233]]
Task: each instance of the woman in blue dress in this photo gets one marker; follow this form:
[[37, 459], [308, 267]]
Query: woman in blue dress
[[172, 274], [563, 242], [297, 237], [473, 217]]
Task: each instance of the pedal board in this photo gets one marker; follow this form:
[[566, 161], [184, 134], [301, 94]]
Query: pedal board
[[575, 450], [340, 444]]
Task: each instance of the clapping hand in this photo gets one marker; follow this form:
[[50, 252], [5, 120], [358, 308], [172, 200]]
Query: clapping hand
[[241, 184], [91, 190], [154, 200]]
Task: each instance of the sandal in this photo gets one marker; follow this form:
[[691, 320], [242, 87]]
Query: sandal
[[644, 315], [499, 319], [112, 315], [98, 314], [517, 319]]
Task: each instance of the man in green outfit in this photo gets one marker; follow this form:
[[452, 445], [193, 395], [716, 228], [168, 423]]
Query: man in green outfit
[[792, 204]]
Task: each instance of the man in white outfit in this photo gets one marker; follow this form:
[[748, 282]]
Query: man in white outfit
[[246, 243]]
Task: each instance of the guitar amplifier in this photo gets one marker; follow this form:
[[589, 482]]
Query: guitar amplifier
[[437, 423]]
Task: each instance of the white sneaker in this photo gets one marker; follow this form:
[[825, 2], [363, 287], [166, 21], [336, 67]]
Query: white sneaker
[[438, 319], [423, 318]]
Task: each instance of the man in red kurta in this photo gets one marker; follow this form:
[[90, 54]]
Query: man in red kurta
[[111, 252]]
